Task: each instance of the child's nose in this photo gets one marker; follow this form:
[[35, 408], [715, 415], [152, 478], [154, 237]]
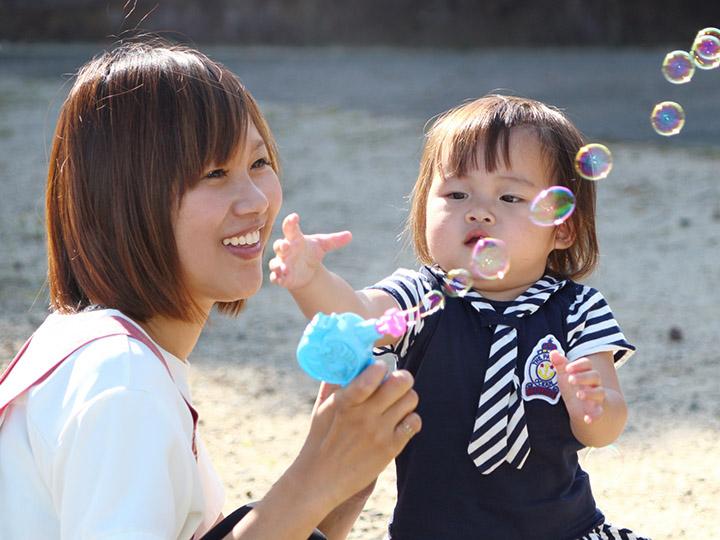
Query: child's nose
[[480, 214]]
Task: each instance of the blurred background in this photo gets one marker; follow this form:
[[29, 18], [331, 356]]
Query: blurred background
[[414, 23], [348, 88]]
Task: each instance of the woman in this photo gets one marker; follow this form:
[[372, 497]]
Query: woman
[[162, 192]]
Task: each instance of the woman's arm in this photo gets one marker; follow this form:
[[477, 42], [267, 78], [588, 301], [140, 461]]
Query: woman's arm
[[354, 434]]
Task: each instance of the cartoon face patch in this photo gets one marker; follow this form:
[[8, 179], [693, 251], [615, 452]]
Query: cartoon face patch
[[541, 379]]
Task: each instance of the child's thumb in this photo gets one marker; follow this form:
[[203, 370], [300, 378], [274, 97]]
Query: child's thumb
[[332, 241], [558, 361], [291, 226]]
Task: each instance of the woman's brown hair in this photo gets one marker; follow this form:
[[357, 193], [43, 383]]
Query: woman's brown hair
[[140, 124], [456, 135]]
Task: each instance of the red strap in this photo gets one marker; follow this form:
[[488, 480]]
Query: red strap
[[17, 379]]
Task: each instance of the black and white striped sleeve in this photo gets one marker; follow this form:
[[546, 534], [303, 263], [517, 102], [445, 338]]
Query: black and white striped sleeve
[[407, 287], [591, 328]]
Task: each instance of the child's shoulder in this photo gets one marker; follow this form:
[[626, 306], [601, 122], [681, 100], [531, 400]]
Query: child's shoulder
[[577, 294]]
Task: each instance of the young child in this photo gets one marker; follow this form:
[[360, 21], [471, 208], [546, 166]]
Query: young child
[[162, 192], [517, 375]]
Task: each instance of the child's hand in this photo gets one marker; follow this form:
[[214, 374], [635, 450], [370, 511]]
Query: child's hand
[[298, 256], [580, 387]]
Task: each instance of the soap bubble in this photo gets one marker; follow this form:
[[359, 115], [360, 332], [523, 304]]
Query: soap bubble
[[667, 118], [707, 47], [490, 259], [552, 206], [433, 301], [458, 283], [678, 67], [593, 161], [700, 61]]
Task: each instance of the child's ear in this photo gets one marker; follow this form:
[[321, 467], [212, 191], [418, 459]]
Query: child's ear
[[564, 235]]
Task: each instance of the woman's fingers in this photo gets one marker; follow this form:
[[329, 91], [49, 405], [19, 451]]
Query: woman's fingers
[[397, 384], [407, 428], [363, 386]]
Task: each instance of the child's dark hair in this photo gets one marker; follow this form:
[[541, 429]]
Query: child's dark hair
[[140, 124], [488, 120]]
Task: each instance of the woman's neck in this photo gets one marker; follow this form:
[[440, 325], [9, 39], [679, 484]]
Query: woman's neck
[[175, 336]]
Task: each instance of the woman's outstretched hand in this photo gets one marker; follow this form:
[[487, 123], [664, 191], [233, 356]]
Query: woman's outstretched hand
[[298, 256]]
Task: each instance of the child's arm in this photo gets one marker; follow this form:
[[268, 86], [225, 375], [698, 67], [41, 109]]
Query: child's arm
[[591, 391], [298, 267]]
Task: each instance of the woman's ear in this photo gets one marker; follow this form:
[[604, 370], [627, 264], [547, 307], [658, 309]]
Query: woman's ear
[[564, 235]]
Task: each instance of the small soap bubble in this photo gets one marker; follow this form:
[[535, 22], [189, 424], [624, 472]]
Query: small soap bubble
[[678, 67], [552, 206], [667, 118], [490, 259], [593, 161], [700, 61], [707, 47], [458, 282], [433, 301]]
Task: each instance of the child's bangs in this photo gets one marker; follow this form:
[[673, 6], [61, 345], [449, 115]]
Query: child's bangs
[[459, 139]]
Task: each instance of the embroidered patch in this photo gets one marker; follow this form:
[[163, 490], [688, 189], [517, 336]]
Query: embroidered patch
[[540, 376]]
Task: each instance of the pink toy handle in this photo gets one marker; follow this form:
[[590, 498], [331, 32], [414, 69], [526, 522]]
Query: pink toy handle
[[393, 322]]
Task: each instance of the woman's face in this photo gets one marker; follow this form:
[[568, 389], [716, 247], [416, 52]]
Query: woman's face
[[224, 223]]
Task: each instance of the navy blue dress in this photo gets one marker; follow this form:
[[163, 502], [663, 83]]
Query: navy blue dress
[[441, 494]]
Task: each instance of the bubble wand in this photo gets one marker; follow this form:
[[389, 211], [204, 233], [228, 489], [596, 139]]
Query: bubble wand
[[335, 348]]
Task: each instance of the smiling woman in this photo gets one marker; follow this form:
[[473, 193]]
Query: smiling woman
[[162, 191]]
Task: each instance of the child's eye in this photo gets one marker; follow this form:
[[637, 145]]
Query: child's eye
[[217, 173], [457, 195], [260, 163], [511, 198]]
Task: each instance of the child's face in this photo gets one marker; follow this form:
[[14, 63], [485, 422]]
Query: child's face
[[460, 210], [224, 223]]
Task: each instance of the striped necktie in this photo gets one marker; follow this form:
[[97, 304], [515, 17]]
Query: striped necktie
[[500, 433]]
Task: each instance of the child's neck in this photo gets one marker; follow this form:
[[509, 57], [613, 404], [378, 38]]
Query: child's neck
[[504, 291]]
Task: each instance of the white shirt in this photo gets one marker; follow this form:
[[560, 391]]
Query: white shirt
[[102, 448]]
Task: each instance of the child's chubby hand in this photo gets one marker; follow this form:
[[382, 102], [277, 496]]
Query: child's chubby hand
[[580, 386], [299, 256]]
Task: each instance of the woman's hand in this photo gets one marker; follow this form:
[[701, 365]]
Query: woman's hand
[[354, 433], [357, 430], [298, 256]]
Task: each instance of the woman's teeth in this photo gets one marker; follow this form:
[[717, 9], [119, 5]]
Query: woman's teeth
[[244, 240]]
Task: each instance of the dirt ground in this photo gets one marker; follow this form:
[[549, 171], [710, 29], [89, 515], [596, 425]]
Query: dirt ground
[[349, 125]]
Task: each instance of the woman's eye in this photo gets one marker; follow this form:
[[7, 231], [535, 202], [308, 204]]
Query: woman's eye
[[217, 173], [457, 195], [511, 198], [262, 162]]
